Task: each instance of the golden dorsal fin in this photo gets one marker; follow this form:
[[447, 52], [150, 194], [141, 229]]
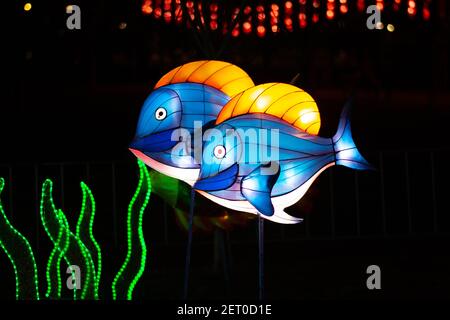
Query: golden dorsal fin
[[224, 76], [281, 100]]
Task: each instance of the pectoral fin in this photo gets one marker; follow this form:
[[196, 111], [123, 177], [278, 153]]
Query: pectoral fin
[[220, 181], [257, 186]]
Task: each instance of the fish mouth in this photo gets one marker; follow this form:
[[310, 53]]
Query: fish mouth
[[157, 142], [187, 175], [221, 181]]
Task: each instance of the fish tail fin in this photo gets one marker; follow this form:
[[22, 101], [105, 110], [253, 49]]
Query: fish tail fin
[[345, 150]]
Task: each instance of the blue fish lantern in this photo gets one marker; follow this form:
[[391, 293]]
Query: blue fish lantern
[[260, 164], [261, 175], [192, 93]]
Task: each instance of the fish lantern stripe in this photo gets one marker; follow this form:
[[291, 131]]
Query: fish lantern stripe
[[223, 76], [281, 100]]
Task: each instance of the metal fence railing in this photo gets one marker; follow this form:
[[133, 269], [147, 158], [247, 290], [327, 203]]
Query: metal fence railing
[[404, 196]]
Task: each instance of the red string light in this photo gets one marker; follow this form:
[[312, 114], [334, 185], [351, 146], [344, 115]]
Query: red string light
[[235, 32], [426, 14], [190, 10], [247, 25], [316, 7], [343, 7], [302, 14], [330, 9], [380, 5], [225, 28], [157, 12], [412, 10], [260, 30], [213, 8], [178, 12], [147, 7], [200, 11], [361, 5], [288, 5], [167, 10], [274, 14], [254, 17]]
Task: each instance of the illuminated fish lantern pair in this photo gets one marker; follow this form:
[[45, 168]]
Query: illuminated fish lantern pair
[[259, 155]]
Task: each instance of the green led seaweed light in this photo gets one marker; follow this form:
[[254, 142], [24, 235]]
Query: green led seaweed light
[[147, 190], [134, 223], [84, 230], [53, 268], [88, 285], [76, 252], [19, 252], [14, 268], [53, 225], [70, 251]]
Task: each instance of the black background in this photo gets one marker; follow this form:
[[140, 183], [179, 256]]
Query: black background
[[71, 100]]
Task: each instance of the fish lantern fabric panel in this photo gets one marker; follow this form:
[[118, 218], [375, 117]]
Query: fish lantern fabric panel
[[285, 101], [224, 76]]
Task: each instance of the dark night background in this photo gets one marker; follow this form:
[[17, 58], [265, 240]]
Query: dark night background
[[72, 98]]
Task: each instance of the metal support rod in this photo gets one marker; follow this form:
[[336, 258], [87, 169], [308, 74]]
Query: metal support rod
[[229, 252], [307, 228], [88, 172], [114, 202], [36, 191], [282, 231], [216, 249], [383, 200], [434, 192], [332, 213], [408, 193], [10, 188], [61, 176], [189, 246], [358, 220], [261, 257], [166, 224], [223, 253]]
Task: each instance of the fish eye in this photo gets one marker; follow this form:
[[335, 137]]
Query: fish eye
[[160, 113], [219, 152]]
